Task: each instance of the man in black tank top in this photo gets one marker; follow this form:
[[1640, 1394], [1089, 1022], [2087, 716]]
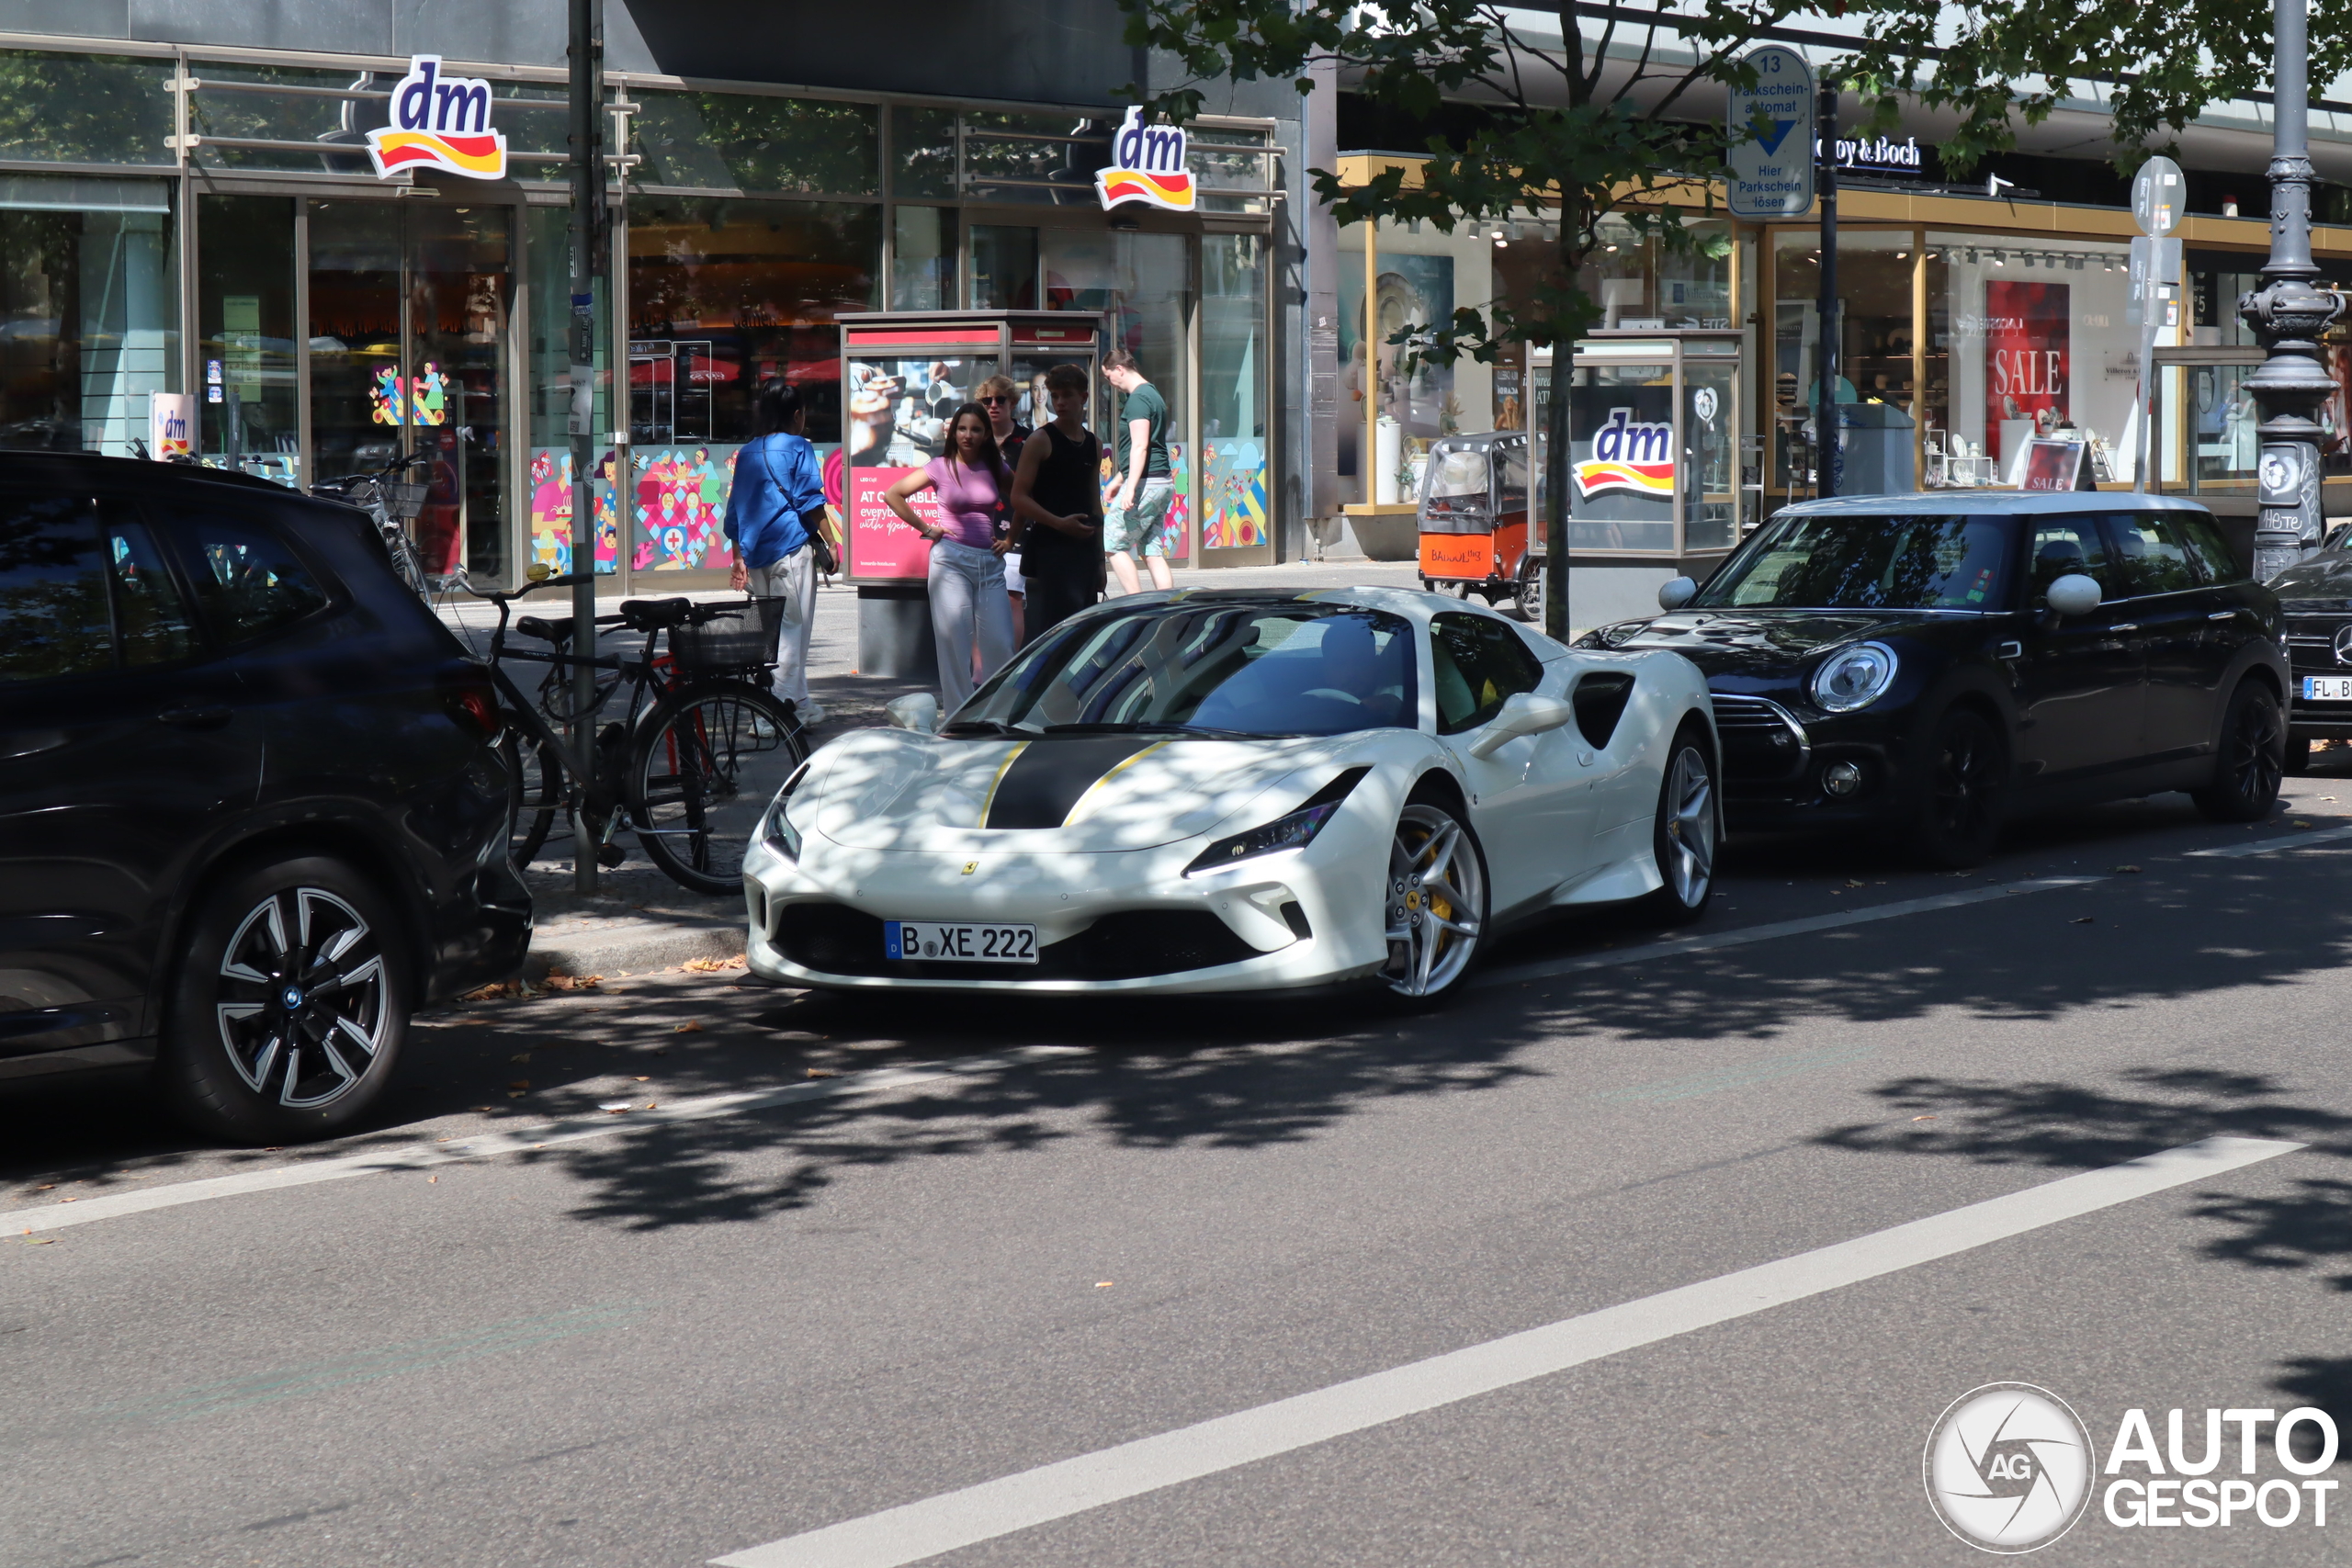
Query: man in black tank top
[[1058, 509]]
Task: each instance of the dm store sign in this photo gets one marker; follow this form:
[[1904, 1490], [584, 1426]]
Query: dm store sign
[[438, 122], [1623, 468], [1148, 166]]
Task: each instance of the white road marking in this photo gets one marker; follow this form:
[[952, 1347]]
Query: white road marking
[[1550, 968], [2264, 846], [420, 1156], [918, 1530], [423, 1156]]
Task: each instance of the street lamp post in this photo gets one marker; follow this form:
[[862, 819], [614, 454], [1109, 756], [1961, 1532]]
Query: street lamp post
[[2288, 315]]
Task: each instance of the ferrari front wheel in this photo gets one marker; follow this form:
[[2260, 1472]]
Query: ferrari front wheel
[[1436, 903]]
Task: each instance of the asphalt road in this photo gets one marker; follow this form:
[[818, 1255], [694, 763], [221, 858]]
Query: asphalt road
[[929, 1249]]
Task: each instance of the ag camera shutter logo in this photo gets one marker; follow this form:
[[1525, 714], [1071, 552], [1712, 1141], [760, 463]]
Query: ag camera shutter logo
[[2008, 1467]]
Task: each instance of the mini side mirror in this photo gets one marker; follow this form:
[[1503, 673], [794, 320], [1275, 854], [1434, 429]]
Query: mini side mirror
[[917, 711], [1675, 592], [2074, 594]]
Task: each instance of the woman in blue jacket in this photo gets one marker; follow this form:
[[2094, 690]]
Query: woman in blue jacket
[[777, 502]]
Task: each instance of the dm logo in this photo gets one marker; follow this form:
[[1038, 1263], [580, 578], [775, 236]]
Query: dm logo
[[1629, 456], [1149, 166], [438, 122], [2008, 1467]]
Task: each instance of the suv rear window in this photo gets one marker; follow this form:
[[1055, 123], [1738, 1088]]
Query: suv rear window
[[249, 582], [82, 591]]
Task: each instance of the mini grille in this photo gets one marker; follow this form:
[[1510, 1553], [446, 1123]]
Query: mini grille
[[1763, 740]]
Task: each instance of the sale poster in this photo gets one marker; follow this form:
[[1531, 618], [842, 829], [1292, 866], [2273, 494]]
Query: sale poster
[[880, 544], [2028, 368]]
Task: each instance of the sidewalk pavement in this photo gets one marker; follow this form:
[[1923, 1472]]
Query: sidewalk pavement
[[639, 920]]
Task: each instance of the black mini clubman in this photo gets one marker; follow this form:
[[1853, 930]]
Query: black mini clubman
[[1927, 666]]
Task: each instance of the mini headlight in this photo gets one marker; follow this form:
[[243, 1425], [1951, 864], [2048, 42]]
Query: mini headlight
[[777, 832], [1289, 832], [1853, 677]]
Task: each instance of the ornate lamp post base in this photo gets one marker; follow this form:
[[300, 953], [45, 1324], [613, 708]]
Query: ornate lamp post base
[[2288, 316]]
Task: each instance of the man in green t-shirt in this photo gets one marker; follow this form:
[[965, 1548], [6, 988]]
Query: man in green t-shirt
[[1134, 514]]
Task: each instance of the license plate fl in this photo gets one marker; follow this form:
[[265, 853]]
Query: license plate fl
[[958, 941], [2327, 688]]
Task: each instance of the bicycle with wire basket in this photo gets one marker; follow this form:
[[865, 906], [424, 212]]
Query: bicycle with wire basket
[[701, 749], [394, 502]]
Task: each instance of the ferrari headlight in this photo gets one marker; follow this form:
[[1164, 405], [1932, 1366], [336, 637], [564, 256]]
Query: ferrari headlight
[[777, 832], [1853, 677], [1293, 831]]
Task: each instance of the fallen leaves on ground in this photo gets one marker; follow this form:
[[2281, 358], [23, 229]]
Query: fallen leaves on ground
[[2127, 868], [1102, 1284], [822, 1073], [641, 1078], [519, 1083], [2303, 824], [520, 1057], [712, 965], [573, 982], [691, 1026]]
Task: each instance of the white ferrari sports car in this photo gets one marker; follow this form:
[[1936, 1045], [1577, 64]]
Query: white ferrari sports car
[[1240, 789]]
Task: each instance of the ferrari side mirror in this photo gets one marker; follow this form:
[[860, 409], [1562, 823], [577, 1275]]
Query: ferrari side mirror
[[1523, 713], [917, 711], [1675, 592]]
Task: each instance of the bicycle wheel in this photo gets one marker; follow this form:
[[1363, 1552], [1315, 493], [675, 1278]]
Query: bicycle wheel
[[535, 795], [707, 760], [405, 562]]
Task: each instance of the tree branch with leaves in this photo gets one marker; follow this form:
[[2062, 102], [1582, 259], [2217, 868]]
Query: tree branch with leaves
[[1586, 126]]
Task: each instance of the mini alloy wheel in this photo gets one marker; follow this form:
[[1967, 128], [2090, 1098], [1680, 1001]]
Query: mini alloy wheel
[[2251, 762], [1967, 777], [1437, 902]]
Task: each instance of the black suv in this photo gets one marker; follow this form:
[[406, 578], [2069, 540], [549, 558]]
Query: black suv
[[2317, 596], [1928, 664], [252, 807]]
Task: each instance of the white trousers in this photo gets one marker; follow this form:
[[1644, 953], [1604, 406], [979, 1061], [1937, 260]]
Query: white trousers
[[794, 580], [968, 611]]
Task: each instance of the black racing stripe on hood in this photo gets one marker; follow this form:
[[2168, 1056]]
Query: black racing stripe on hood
[[1049, 775]]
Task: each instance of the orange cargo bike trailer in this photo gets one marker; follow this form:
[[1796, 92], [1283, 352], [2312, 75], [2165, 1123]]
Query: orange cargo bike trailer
[[1474, 522]]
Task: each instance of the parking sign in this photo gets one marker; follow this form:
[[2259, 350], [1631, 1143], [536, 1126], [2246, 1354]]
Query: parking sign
[[1769, 170]]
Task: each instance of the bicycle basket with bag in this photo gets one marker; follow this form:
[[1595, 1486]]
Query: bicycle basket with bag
[[742, 636]]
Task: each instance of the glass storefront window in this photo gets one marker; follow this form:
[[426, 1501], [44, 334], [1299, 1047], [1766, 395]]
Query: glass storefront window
[[724, 296], [1004, 267], [248, 411], [83, 108], [548, 409], [1642, 284], [1233, 391], [1145, 282], [336, 110], [1874, 268], [756, 143], [89, 316], [2030, 338], [2206, 435], [1040, 159], [923, 258], [922, 151]]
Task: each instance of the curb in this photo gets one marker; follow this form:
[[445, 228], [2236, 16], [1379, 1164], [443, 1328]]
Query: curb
[[627, 947]]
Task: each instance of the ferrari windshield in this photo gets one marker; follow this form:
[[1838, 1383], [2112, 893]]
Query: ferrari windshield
[[1209, 668], [1867, 563]]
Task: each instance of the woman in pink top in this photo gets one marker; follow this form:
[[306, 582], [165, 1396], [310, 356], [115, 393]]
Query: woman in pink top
[[971, 619]]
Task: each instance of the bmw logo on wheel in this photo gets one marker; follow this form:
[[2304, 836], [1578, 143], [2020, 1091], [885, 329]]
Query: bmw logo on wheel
[[2008, 1467]]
